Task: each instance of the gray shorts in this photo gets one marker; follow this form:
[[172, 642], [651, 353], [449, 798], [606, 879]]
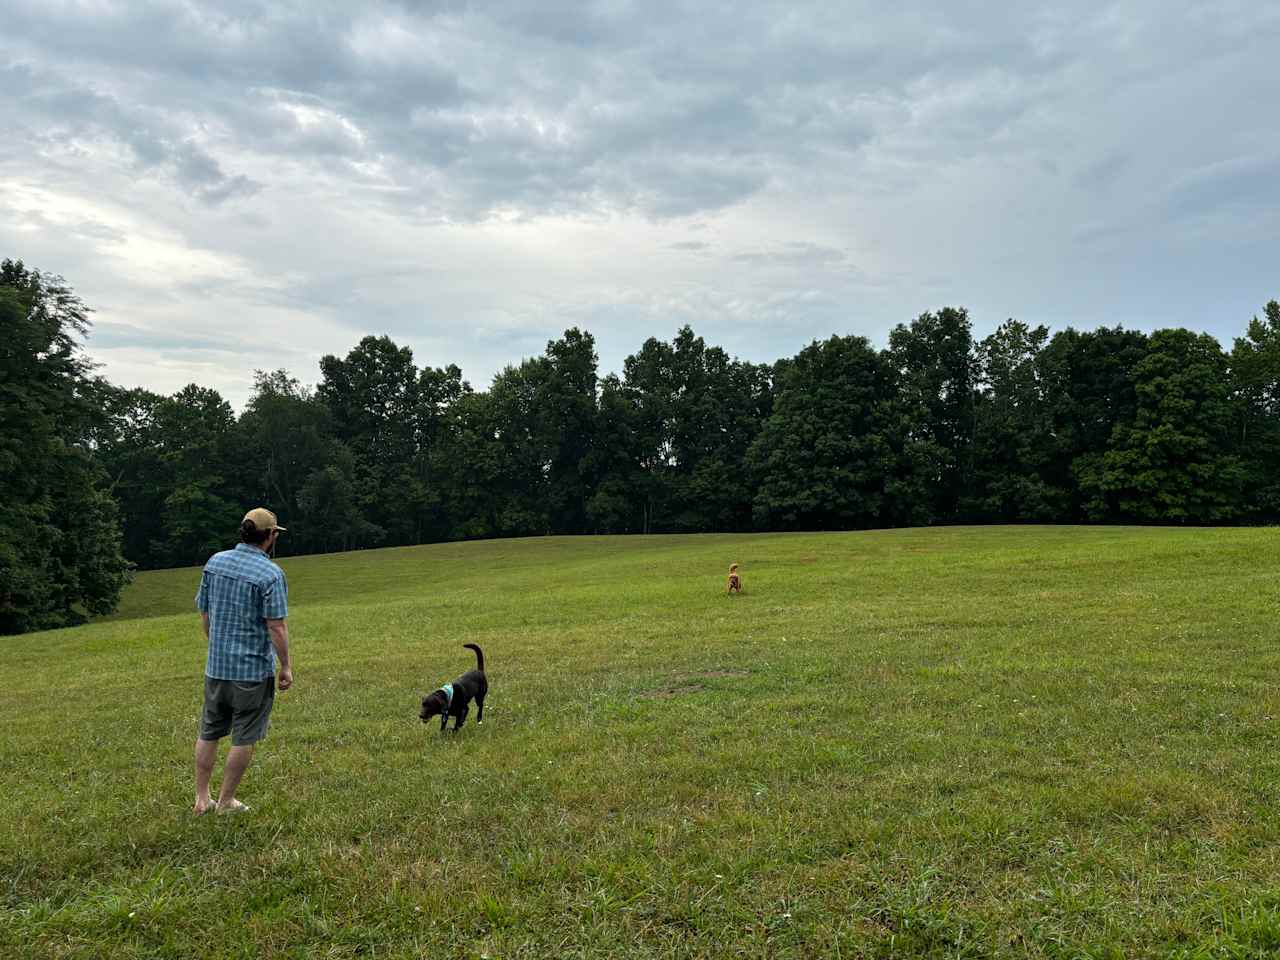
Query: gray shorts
[[239, 708]]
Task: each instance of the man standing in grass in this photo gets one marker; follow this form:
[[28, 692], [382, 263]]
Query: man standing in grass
[[243, 600]]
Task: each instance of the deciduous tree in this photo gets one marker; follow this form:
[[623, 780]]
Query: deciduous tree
[[1174, 462], [1255, 376], [832, 454], [60, 554]]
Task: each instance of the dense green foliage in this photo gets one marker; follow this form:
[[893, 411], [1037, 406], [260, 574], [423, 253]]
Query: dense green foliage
[[1107, 426], [59, 530], [1032, 743]]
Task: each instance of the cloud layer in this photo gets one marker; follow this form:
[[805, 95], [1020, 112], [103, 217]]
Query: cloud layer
[[256, 184]]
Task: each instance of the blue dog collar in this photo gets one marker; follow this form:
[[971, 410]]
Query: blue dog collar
[[447, 690]]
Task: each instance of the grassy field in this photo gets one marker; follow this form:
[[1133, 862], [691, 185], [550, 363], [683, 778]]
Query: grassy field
[[1000, 742]]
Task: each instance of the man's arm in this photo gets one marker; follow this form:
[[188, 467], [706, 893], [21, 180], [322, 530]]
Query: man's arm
[[202, 602], [279, 631]]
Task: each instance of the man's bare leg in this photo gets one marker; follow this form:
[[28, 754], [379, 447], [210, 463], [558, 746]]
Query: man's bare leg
[[206, 755], [237, 763]]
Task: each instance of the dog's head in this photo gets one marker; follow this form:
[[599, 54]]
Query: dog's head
[[433, 704]]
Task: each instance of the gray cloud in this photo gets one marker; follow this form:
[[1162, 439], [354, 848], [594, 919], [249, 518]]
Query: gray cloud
[[548, 108], [203, 176], [476, 176], [1247, 181], [98, 231], [794, 253], [65, 113], [116, 337]]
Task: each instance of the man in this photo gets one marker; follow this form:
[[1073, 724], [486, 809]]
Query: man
[[243, 600]]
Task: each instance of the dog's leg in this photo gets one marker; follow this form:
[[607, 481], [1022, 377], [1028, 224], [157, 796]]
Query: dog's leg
[[462, 717], [479, 709]]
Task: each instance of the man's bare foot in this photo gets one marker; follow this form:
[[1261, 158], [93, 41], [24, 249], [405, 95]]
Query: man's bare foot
[[202, 806], [233, 806]]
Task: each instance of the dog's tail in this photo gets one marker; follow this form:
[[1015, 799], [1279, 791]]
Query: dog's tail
[[479, 655]]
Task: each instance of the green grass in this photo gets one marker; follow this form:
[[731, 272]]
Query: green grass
[[1009, 742]]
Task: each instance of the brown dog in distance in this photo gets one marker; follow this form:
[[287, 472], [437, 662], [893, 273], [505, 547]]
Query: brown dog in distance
[[735, 582]]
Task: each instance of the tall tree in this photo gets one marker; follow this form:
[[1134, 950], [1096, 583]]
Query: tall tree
[[284, 434], [199, 464], [329, 516], [567, 402], [719, 406], [523, 449], [1255, 373], [835, 453], [1013, 437], [695, 412], [649, 387], [1174, 462], [373, 396], [439, 389], [470, 467], [284, 437], [127, 444], [937, 371], [616, 504], [1088, 384], [60, 554]]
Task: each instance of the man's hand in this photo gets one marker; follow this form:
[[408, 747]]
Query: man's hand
[[279, 631]]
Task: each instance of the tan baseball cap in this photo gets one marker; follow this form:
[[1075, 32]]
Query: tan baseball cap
[[264, 519]]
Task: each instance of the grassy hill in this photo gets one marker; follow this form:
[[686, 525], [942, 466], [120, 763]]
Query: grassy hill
[[1044, 742]]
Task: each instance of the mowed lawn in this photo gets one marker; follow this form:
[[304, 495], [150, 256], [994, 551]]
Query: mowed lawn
[[964, 742]]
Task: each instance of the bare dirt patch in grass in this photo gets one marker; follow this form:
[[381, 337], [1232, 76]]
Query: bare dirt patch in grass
[[691, 683]]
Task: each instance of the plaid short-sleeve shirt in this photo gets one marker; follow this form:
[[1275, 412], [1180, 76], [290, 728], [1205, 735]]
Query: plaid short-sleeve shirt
[[241, 590]]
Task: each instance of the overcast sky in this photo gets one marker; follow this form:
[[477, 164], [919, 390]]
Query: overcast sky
[[252, 185]]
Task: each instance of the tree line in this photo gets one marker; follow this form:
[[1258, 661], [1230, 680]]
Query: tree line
[[1102, 426]]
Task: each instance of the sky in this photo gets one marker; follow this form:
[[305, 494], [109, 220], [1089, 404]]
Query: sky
[[247, 185]]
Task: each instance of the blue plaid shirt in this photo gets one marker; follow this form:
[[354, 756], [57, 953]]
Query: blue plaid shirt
[[241, 590]]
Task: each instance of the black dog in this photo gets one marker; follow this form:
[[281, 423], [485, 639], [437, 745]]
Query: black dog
[[454, 699]]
